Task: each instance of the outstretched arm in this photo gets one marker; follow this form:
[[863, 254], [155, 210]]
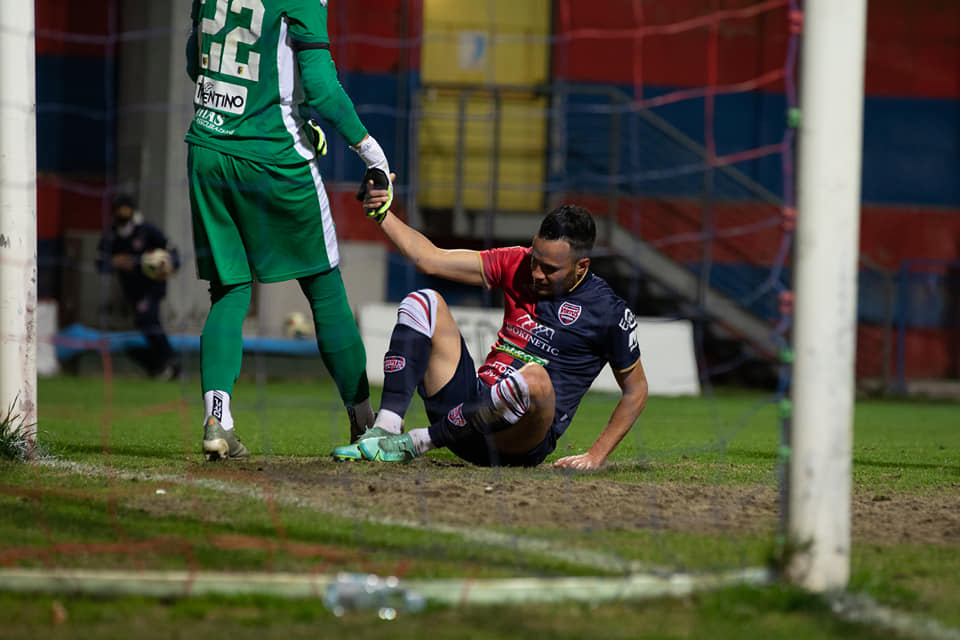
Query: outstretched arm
[[460, 265], [633, 384]]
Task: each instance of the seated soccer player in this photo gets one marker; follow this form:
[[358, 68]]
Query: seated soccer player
[[561, 325]]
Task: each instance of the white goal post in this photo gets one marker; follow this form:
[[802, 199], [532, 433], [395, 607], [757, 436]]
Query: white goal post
[[825, 269], [18, 218]]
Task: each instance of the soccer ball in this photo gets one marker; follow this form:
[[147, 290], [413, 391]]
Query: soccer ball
[[297, 326], [157, 264]]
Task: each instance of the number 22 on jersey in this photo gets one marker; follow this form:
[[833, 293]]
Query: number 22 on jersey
[[222, 57]]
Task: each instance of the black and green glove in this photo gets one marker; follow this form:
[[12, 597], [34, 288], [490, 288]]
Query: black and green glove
[[380, 181], [378, 170], [317, 138]]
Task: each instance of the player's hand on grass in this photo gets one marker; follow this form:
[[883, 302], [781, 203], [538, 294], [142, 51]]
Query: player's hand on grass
[[581, 462], [377, 197]]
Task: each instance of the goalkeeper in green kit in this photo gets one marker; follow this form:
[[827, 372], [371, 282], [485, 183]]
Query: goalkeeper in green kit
[[258, 202]]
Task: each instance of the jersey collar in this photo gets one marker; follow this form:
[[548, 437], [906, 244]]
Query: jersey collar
[[577, 283]]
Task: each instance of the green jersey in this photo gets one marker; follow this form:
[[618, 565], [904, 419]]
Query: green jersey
[[258, 64]]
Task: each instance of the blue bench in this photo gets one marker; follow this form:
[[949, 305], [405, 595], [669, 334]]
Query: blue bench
[[77, 338]]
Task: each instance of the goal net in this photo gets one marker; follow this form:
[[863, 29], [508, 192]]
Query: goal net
[[670, 122]]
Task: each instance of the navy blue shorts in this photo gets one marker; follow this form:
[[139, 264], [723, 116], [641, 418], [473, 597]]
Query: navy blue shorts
[[464, 386]]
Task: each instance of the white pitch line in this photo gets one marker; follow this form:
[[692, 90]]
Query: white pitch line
[[639, 581], [583, 557], [862, 609]]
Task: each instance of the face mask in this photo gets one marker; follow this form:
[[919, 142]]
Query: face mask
[[124, 229]]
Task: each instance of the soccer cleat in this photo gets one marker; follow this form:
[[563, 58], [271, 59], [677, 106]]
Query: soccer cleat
[[392, 448], [220, 443], [351, 451]]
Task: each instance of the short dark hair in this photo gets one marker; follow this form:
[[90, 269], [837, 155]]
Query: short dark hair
[[124, 200], [571, 223]]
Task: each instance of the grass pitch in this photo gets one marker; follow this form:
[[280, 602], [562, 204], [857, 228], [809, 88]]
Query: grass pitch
[[692, 488]]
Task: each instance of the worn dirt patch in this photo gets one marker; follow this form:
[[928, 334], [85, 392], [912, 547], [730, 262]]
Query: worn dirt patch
[[431, 491]]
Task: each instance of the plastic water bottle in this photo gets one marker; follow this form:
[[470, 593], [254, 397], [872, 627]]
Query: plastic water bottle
[[360, 591]]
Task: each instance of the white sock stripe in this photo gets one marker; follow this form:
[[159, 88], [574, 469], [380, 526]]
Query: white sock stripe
[[217, 403], [389, 421], [411, 320], [428, 298], [515, 396], [511, 397], [418, 310], [422, 441]]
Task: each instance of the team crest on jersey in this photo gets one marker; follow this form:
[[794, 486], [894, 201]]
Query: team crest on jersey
[[392, 364], [568, 313], [456, 416]]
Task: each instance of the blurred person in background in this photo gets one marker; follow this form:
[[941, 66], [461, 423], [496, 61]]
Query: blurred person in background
[[141, 256]]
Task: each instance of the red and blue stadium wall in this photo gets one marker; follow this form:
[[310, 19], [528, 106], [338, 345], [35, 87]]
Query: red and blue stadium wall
[[911, 162], [75, 124], [911, 193], [76, 45]]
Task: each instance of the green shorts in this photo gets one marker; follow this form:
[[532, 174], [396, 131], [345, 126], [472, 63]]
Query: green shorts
[[257, 219]]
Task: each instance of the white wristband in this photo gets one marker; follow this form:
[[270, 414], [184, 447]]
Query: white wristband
[[372, 154]]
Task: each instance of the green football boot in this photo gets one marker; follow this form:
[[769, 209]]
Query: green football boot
[[350, 452], [220, 443], [393, 448]]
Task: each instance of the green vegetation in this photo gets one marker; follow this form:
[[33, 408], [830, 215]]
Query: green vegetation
[[125, 487]]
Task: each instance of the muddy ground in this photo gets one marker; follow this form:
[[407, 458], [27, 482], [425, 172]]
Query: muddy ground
[[432, 491]]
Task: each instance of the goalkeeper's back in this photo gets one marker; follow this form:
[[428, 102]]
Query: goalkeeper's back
[[258, 65]]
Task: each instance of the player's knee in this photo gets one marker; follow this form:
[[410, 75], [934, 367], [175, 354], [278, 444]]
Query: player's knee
[[538, 384], [511, 397], [418, 310]]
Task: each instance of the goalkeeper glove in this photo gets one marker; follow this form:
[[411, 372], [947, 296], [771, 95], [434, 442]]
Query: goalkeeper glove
[[316, 136], [378, 170], [380, 181]]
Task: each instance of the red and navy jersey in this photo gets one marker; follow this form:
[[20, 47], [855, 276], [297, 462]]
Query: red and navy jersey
[[573, 336]]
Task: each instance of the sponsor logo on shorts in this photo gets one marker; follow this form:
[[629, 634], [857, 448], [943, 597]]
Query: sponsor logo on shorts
[[568, 313], [392, 364], [224, 97], [456, 416]]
